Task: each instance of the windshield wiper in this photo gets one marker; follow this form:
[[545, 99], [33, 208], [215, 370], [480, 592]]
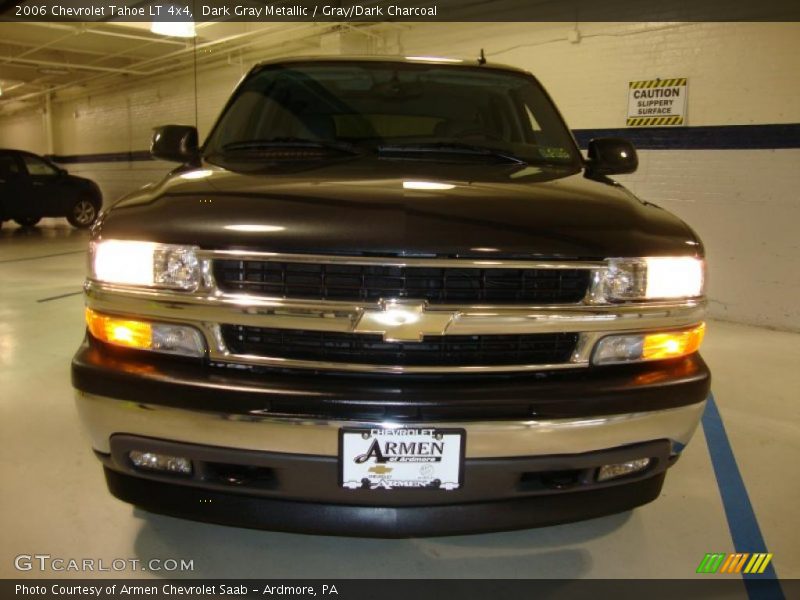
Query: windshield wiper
[[452, 148], [289, 142]]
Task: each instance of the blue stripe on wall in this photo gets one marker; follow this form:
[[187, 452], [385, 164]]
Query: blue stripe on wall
[[721, 137], [717, 137], [134, 156]]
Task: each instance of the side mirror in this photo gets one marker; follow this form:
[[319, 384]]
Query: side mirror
[[611, 156], [175, 143]]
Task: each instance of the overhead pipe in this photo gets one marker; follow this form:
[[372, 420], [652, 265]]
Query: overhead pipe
[[84, 28], [38, 47], [71, 66]]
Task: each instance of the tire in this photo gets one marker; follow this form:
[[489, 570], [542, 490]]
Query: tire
[[27, 221], [82, 214]]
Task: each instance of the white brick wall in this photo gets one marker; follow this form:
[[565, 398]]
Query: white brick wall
[[745, 206], [25, 131], [744, 203], [123, 120]]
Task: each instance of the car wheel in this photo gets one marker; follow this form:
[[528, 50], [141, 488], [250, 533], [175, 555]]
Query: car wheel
[[27, 221], [83, 214]]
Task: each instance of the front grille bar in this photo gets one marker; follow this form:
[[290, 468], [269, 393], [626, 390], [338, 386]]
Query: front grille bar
[[437, 285], [432, 351]]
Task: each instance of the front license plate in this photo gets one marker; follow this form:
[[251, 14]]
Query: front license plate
[[401, 458]]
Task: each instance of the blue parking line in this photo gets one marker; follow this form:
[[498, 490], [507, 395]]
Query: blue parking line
[[739, 512]]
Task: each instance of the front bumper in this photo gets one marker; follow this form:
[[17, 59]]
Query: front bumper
[[530, 463], [105, 417], [242, 510]]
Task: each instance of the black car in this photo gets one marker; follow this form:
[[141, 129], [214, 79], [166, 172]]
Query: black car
[[390, 297], [31, 187]]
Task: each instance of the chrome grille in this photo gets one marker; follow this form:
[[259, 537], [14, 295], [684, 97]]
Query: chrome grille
[[364, 283], [370, 349], [259, 309]]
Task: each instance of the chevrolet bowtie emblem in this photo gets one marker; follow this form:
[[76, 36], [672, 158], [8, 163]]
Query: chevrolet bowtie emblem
[[403, 321], [380, 470]]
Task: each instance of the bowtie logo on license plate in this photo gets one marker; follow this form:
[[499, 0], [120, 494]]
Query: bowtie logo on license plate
[[403, 321], [380, 470]]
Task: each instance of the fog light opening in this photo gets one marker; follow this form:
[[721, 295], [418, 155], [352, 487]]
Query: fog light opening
[[165, 463], [616, 470]]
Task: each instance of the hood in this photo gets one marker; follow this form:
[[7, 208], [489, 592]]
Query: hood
[[79, 181], [399, 207]]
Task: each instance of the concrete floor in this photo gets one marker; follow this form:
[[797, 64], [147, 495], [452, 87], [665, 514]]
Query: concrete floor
[[54, 499]]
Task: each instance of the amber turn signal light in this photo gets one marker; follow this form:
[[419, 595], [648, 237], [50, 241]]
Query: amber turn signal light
[[673, 344], [640, 347], [169, 338], [120, 332]]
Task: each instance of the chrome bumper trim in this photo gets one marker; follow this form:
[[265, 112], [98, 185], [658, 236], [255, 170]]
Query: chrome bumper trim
[[241, 309], [104, 417], [208, 297]]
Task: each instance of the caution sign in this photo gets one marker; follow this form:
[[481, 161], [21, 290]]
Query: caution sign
[[657, 102]]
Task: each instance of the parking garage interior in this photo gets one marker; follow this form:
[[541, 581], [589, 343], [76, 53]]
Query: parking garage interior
[[86, 96]]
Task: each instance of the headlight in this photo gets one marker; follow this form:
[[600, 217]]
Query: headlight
[[146, 264], [654, 278]]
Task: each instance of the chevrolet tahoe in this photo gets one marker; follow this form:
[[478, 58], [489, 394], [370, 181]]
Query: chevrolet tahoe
[[390, 297]]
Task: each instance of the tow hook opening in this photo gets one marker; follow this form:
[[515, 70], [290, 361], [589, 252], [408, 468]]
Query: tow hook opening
[[245, 476], [553, 480]]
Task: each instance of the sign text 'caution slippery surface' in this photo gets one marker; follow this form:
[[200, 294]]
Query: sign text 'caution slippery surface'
[[657, 102]]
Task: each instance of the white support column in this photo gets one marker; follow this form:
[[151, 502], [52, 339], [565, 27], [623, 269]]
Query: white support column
[[48, 122]]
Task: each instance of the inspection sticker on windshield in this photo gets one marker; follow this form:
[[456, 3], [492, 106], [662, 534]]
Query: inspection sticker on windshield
[[407, 458]]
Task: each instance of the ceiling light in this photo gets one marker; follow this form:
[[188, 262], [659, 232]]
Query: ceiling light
[[184, 29]]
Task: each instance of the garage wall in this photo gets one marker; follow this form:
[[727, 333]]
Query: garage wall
[[24, 130], [743, 202]]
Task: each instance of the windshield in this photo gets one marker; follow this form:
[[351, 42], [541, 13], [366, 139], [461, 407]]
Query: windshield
[[394, 109]]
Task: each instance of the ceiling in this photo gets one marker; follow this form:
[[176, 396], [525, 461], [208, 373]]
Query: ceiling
[[67, 58]]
